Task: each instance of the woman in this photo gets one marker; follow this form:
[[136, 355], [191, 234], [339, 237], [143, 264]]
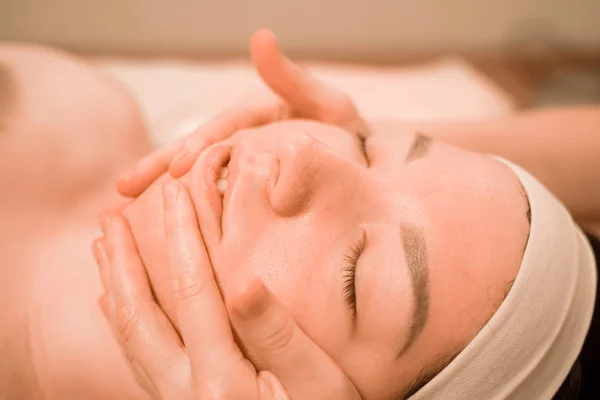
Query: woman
[[66, 130], [584, 207]]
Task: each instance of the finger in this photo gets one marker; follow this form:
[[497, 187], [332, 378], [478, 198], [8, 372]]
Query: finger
[[253, 111], [139, 322], [270, 388], [275, 342], [107, 305], [216, 360], [99, 251], [134, 182], [120, 205], [202, 317], [306, 95], [105, 302]]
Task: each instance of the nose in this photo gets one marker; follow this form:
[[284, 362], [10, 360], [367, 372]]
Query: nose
[[308, 170]]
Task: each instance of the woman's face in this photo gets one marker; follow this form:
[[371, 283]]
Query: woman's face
[[391, 257]]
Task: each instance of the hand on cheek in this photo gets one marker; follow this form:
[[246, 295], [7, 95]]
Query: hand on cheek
[[204, 361]]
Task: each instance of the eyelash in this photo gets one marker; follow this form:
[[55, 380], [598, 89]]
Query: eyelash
[[362, 143], [349, 277]]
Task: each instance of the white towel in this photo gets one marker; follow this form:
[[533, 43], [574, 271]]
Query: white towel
[[528, 347]]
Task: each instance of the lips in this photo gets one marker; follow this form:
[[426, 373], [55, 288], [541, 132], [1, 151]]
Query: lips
[[226, 180], [226, 174], [225, 183]]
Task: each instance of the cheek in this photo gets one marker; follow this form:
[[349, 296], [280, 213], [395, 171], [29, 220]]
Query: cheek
[[277, 254], [298, 266]]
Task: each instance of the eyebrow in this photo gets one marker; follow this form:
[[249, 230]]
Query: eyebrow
[[419, 147], [415, 250]]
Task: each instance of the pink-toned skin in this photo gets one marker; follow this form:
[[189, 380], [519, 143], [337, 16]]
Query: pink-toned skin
[[203, 361], [301, 196]]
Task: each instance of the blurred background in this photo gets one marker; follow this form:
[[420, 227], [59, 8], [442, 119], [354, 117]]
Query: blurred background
[[539, 52]]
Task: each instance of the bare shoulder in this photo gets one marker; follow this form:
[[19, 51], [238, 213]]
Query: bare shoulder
[[65, 127]]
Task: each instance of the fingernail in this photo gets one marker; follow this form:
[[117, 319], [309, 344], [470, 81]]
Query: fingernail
[[126, 176], [265, 385], [170, 193], [105, 221], [179, 157], [254, 301]]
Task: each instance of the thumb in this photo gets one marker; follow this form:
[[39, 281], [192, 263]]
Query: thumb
[[274, 342], [270, 388], [306, 95]]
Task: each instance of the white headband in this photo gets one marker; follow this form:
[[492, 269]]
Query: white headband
[[528, 347]]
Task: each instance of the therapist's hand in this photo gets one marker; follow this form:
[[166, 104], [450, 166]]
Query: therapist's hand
[[205, 362], [295, 94]]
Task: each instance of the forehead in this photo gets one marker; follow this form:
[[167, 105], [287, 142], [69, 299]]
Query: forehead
[[462, 200], [473, 213], [445, 177]]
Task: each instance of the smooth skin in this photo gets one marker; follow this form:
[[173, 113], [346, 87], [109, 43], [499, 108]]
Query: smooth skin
[[61, 151], [301, 92], [206, 363], [261, 322], [560, 147], [295, 87]]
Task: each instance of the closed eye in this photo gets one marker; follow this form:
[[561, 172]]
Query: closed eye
[[349, 275], [362, 147]]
